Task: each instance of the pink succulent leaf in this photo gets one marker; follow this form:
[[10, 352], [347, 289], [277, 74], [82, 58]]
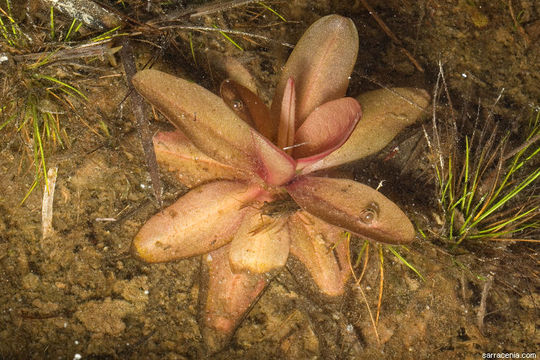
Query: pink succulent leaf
[[192, 166], [320, 64], [225, 297], [287, 118], [202, 116], [249, 107], [260, 245], [275, 167], [327, 127], [322, 248], [354, 207], [204, 219], [385, 113]]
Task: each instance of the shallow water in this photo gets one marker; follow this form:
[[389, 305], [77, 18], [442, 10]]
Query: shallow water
[[80, 291]]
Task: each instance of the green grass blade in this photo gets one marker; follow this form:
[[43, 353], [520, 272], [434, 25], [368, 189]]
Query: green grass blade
[[42, 62], [55, 130], [7, 122], [39, 153], [70, 31], [402, 259], [471, 216], [192, 49], [59, 82], [228, 38], [513, 219], [515, 190], [421, 233], [466, 175], [272, 10], [474, 185], [34, 184], [360, 253], [107, 35], [52, 23]]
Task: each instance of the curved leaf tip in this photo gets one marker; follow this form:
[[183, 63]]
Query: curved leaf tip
[[353, 206], [320, 64]]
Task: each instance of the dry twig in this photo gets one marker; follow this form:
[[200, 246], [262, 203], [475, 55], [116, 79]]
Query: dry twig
[[482, 308], [143, 128], [391, 35]]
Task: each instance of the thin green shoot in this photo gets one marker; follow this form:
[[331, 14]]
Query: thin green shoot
[[5, 32], [52, 24], [53, 130], [448, 186], [360, 253], [470, 216], [107, 35], [7, 122], [8, 5], [228, 38], [506, 198], [404, 261], [63, 84], [474, 186], [34, 184], [42, 62], [37, 126], [105, 128], [73, 28], [39, 153], [519, 19], [11, 36], [513, 191], [465, 177], [192, 49], [501, 225], [478, 184], [272, 11], [516, 165]]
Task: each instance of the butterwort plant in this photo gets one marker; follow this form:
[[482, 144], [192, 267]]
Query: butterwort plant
[[259, 193]]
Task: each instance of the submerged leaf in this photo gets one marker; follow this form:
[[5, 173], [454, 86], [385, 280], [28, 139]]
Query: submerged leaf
[[260, 245], [248, 106], [320, 65], [202, 116], [322, 248], [225, 298], [327, 128], [275, 167], [287, 118], [192, 166], [204, 219], [385, 114], [354, 207]]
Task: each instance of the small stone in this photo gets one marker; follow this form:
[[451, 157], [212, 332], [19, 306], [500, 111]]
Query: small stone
[[30, 281]]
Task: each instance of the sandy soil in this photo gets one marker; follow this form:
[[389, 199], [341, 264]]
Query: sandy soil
[[80, 292]]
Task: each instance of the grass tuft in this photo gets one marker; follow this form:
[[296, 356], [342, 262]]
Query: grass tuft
[[487, 188], [40, 101]]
